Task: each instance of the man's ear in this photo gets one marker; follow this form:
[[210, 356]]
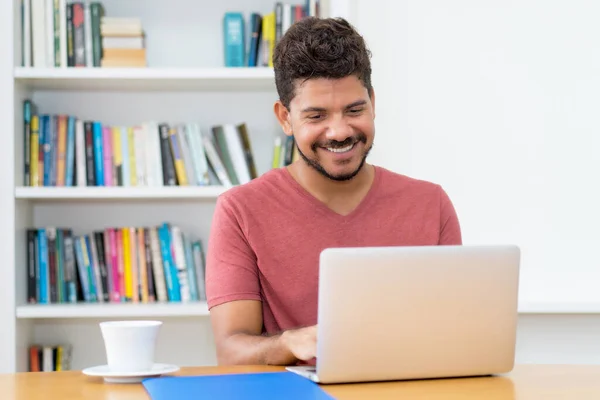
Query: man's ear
[[283, 116], [373, 101]]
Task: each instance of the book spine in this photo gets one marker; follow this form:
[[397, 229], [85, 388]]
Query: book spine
[[61, 152], [169, 176], [179, 261], [87, 28], [52, 268], [95, 291], [149, 266], [135, 275], [78, 34], [191, 268], [102, 267], [70, 161], [127, 276], [31, 267], [143, 272], [157, 266], [57, 48], [96, 9], [70, 273], [80, 154], [27, 112], [34, 151], [114, 263], [98, 153], [89, 154], [177, 157], [81, 268], [107, 154], [96, 268], [43, 261], [70, 36]]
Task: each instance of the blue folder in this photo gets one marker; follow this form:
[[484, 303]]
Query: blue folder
[[250, 386]]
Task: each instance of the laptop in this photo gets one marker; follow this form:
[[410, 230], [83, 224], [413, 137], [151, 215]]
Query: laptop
[[403, 313]]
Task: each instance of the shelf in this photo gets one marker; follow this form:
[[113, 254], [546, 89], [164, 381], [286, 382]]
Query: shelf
[[119, 193], [150, 79], [110, 310], [559, 308]]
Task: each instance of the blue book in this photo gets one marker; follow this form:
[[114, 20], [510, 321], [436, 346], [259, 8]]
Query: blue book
[[44, 279], [251, 386], [234, 39], [46, 142], [170, 270], [98, 153]]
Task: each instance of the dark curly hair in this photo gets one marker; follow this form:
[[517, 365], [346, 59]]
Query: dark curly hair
[[319, 48]]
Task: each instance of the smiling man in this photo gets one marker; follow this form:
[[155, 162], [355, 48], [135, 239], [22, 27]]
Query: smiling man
[[267, 235]]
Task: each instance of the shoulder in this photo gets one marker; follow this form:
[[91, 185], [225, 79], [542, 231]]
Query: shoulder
[[393, 182]]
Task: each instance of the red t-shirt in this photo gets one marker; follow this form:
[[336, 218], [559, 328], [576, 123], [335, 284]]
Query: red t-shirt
[[267, 235]]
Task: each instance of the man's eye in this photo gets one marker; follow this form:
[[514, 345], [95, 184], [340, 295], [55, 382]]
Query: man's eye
[[314, 117], [356, 110]]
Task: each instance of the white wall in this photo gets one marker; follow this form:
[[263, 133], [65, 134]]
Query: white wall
[[497, 101]]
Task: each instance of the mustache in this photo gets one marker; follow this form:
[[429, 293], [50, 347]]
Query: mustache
[[335, 144]]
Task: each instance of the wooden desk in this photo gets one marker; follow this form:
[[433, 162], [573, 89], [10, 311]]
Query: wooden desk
[[525, 382]]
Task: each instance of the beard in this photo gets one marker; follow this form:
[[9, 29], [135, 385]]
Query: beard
[[335, 144]]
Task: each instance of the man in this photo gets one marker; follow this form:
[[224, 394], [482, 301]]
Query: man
[[266, 237]]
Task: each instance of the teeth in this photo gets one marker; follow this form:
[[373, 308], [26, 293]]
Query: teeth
[[341, 149]]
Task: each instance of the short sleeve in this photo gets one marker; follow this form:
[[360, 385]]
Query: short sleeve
[[450, 232], [231, 269]]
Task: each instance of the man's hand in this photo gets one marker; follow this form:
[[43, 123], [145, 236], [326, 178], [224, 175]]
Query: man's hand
[[302, 343]]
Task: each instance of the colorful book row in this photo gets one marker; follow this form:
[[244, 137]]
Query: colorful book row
[[265, 31], [44, 358], [114, 265], [62, 150]]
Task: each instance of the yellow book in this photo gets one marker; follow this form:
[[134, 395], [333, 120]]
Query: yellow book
[[34, 177], [276, 153], [132, 161], [133, 253], [59, 356], [177, 157], [268, 37], [127, 265], [61, 151], [117, 156]]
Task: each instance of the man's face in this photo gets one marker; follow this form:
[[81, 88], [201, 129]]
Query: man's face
[[332, 121]]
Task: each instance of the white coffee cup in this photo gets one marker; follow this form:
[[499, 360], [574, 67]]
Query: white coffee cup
[[130, 345]]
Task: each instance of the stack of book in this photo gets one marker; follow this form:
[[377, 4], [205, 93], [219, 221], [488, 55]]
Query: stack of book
[[122, 42]]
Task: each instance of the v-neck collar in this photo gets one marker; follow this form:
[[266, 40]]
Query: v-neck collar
[[322, 208]]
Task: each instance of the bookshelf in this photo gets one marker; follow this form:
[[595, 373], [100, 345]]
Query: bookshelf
[[87, 311], [184, 81], [118, 193], [146, 79]]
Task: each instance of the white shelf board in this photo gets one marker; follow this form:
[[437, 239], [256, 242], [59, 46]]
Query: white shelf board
[[118, 193], [559, 308], [124, 79], [111, 310]]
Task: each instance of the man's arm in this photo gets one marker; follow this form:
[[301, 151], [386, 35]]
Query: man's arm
[[237, 327], [450, 232]]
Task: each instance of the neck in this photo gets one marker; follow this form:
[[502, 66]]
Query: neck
[[326, 189]]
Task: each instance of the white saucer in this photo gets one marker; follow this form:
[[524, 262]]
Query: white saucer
[[129, 377]]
